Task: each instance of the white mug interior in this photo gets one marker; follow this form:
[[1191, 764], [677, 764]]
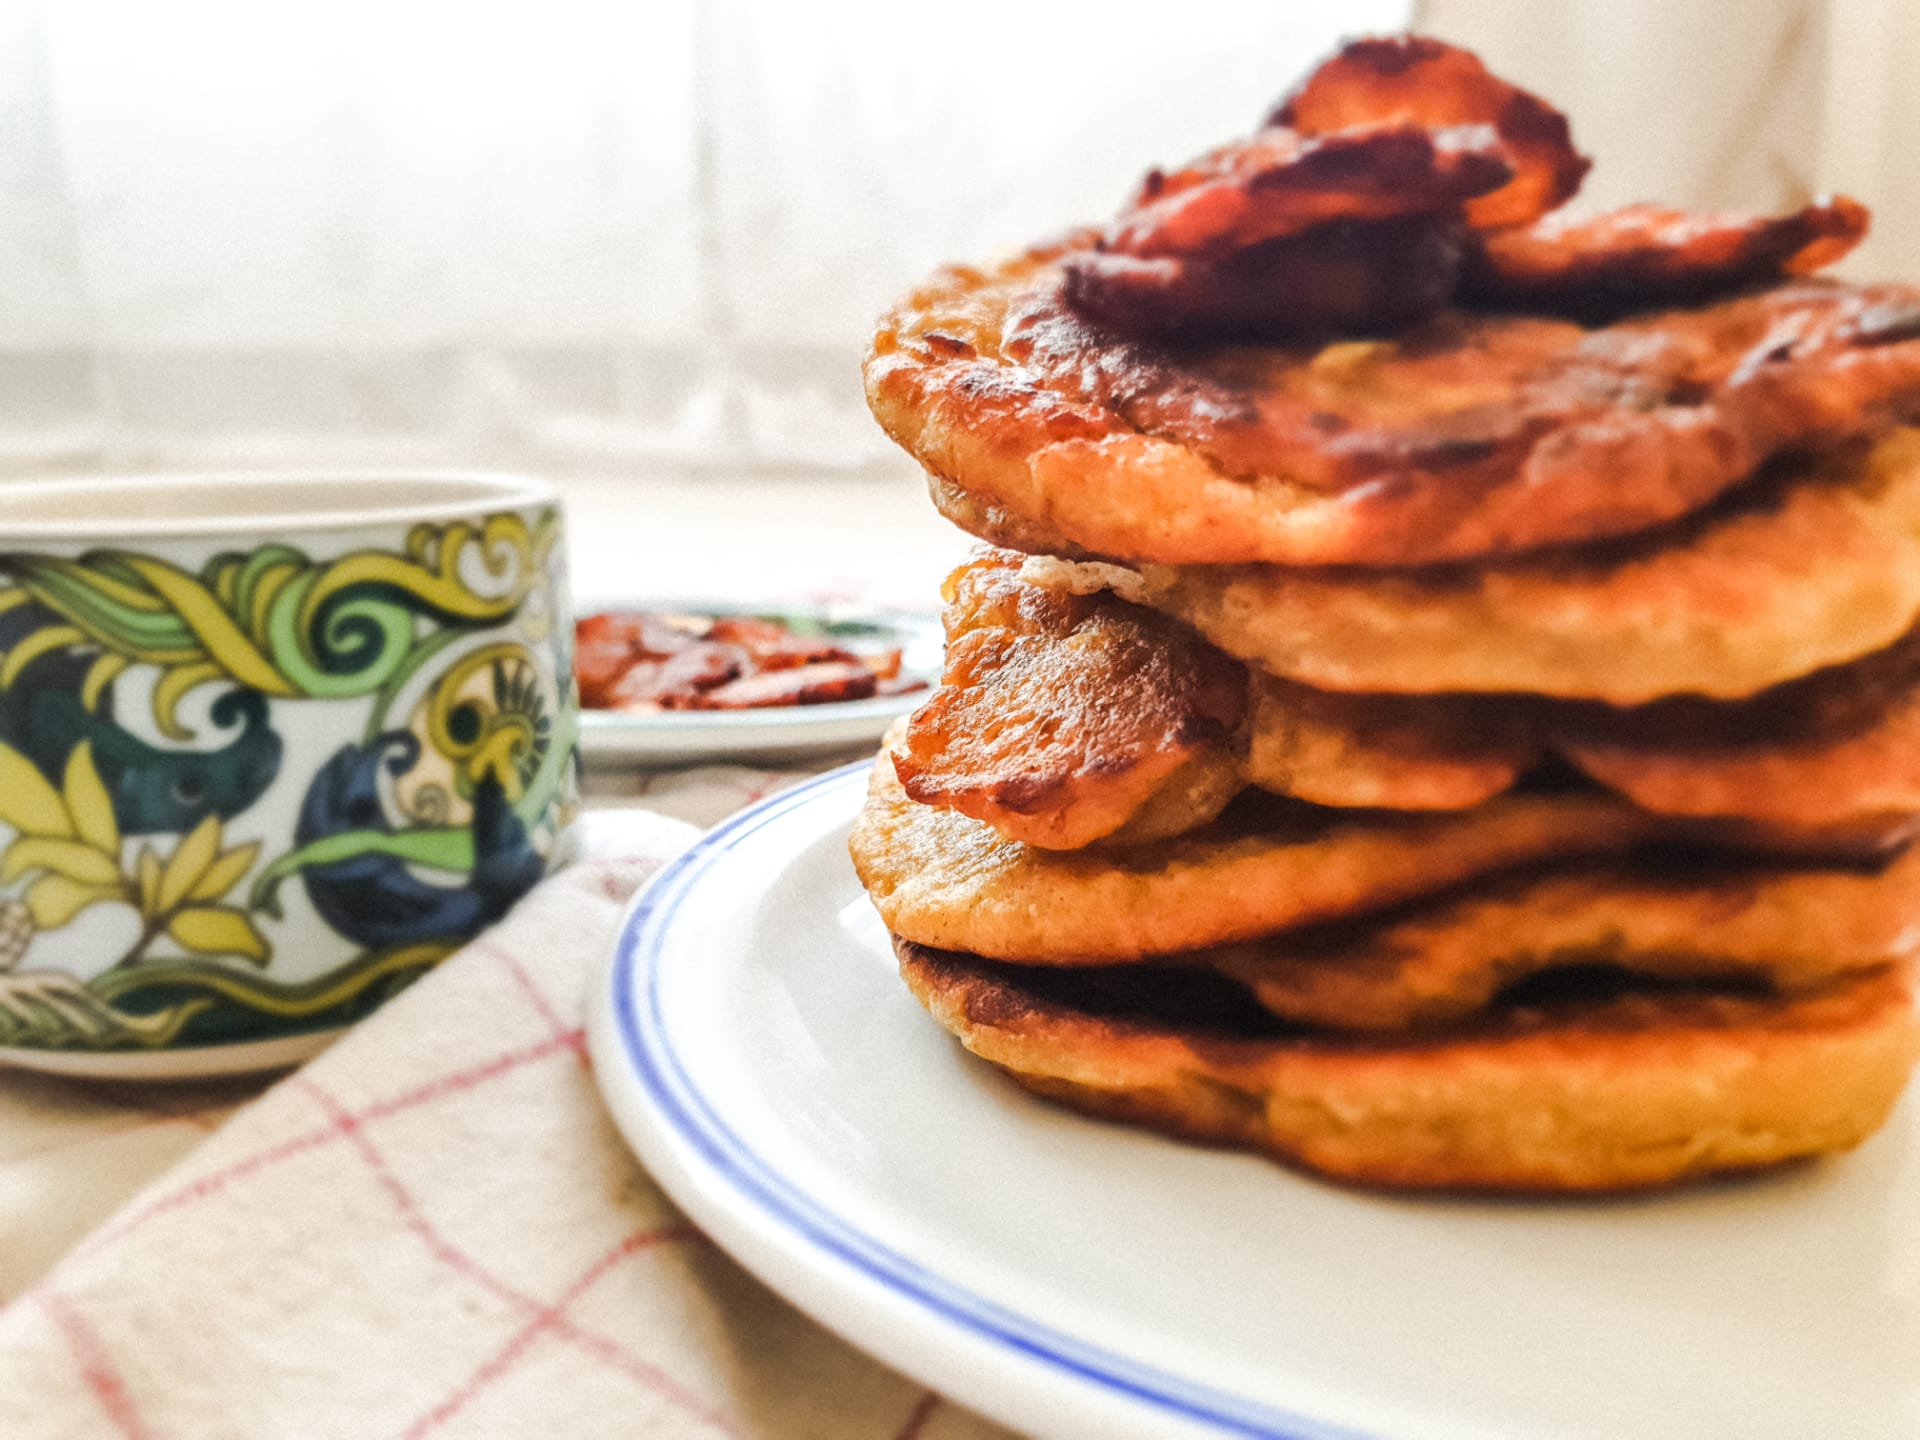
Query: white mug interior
[[159, 506]]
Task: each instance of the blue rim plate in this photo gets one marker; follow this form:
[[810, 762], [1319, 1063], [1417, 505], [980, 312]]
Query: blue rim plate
[[1072, 1278]]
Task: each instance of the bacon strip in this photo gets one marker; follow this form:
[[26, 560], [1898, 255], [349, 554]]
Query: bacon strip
[[1346, 278], [1280, 183], [1427, 82], [1647, 255]]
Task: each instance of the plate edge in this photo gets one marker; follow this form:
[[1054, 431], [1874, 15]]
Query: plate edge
[[1099, 1375]]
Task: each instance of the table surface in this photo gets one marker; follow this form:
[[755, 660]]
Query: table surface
[[72, 1152]]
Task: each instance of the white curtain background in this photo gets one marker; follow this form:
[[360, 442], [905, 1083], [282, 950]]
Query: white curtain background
[[601, 237], [568, 235]]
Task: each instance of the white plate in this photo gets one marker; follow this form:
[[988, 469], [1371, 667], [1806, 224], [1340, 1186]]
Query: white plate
[[776, 734], [1079, 1279]]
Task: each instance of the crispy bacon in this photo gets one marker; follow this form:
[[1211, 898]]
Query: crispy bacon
[[1426, 82], [798, 685], [1399, 172], [1646, 255], [1280, 183], [599, 662], [607, 646], [664, 683], [1061, 718], [1344, 215], [885, 665], [640, 660], [755, 632], [1345, 278], [773, 647]]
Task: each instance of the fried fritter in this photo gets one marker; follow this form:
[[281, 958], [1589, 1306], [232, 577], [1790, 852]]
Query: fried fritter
[[1647, 255], [1066, 717], [1061, 716], [1833, 751], [1441, 962], [1398, 752], [1827, 569], [942, 878], [1470, 436], [1861, 771], [1631, 1092], [1069, 716]]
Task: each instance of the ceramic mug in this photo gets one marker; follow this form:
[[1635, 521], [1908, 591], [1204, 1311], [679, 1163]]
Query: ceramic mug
[[270, 747]]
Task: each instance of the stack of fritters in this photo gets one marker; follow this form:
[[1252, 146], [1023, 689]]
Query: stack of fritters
[[1446, 709]]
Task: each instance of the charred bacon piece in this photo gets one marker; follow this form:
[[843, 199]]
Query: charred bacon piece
[[1279, 183], [771, 646], [608, 646], [641, 660], [1416, 80], [1648, 255], [665, 684], [1352, 278], [1345, 215], [1061, 718], [813, 684]]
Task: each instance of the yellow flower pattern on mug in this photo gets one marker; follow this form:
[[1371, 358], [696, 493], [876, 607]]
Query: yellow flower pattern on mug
[[69, 841]]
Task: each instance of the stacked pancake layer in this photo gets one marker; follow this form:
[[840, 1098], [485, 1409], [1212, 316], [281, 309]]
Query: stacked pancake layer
[[1492, 941], [1483, 757]]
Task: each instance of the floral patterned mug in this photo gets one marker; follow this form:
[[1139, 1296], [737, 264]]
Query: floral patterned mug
[[270, 748]]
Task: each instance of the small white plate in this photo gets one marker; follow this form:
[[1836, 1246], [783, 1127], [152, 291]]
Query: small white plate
[[778, 733], [1072, 1278]]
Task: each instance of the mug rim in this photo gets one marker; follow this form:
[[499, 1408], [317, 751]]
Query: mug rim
[[58, 508]]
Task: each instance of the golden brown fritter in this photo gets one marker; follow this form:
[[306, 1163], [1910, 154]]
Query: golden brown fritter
[[1825, 570], [1061, 716], [1398, 752], [1470, 436], [1832, 751], [942, 878], [1159, 391], [1071, 716], [1636, 1091], [1068, 717], [1858, 777], [1439, 963]]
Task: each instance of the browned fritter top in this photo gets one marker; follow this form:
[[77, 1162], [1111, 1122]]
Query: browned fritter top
[[1162, 390], [1065, 716], [1472, 435]]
